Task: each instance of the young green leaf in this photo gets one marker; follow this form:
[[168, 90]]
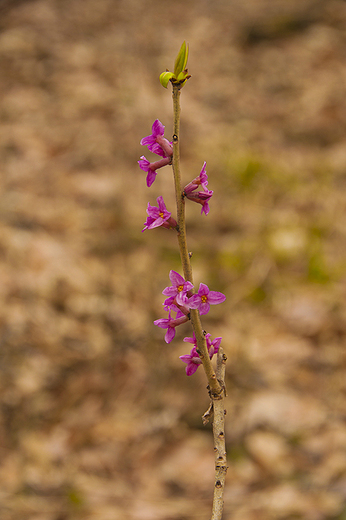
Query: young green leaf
[[181, 59]]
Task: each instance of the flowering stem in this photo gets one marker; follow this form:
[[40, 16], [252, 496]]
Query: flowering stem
[[214, 386], [180, 201]]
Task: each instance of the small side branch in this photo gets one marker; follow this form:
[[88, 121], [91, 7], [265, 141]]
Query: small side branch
[[219, 411], [207, 415]]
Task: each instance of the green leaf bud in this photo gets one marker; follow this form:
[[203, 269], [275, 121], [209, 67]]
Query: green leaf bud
[[165, 77], [181, 77]]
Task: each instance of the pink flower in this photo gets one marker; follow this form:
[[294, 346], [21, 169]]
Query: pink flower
[[202, 197], [191, 340], [204, 298], [170, 324], [151, 168], [213, 346], [179, 288], [193, 360], [201, 180], [156, 143], [172, 304], [159, 216]]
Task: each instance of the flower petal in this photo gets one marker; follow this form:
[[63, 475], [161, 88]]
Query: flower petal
[[151, 177], [194, 302], [156, 148], [148, 223], [144, 164], [157, 128], [191, 369], [190, 340], [149, 140], [203, 176], [153, 211], [169, 291], [182, 299], [215, 297], [176, 278], [163, 323], [216, 344], [205, 208], [188, 286], [204, 308], [169, 334], [156, 223], [161, 204], [203, 289]]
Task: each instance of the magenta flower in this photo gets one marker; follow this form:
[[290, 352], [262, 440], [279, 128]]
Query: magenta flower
[[170, 324], [202, 197], [159, 216], [201, 180], [193, 361], [204, 298], [172, 304], [151, 168], [179, 288], [145, 165], [156, 143], [191, 340], [213, 346]]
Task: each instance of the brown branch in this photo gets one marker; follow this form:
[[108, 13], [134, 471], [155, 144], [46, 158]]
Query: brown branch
[[219, 438], [216, 383], [202, 349]]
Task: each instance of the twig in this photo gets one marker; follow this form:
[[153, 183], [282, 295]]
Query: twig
[[206, 416]]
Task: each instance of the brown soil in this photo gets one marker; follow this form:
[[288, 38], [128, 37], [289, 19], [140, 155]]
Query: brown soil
[[99, 420]]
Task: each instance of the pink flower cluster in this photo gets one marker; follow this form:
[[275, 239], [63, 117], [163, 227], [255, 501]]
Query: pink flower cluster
[[193, 360], [180, 300], [180, 297], [158, 144]]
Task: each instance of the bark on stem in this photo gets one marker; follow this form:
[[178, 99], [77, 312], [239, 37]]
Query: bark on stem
[[214, 386], [219, 439]]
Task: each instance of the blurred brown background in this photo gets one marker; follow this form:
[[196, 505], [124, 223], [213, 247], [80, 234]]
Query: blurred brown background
[[99, 420]]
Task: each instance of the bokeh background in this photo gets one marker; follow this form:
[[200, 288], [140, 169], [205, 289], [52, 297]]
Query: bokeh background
[[99, 420]]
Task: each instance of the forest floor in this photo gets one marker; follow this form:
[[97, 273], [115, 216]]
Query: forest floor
[[98, 419]]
